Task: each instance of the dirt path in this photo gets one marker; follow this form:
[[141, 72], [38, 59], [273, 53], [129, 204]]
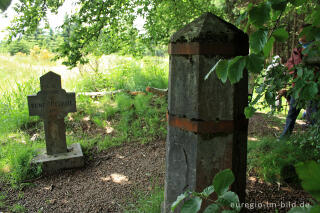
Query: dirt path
[[105, 184], [109, 180]]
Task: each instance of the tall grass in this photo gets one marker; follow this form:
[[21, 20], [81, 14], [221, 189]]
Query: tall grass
[[14, 107], [119, 72], [123, 118], [16, 154]]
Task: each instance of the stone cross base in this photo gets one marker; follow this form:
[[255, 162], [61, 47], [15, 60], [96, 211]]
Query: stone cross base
[[51, 163]]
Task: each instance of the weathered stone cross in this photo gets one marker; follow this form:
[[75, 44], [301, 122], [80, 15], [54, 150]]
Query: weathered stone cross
[[52, 104]]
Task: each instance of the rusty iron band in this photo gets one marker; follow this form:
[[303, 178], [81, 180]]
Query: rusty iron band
[[196, 48], [202, 127]]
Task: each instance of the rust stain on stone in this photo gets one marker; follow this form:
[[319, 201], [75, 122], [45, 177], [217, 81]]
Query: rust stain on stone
[[202, 127], [196, 48]]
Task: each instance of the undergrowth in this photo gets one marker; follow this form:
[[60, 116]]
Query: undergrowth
[[118, 119], [16, 154], [147, 203], [14, 107], [125, 73], [274, 160]]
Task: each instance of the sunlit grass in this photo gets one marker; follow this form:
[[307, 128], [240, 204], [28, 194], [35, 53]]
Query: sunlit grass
[[147, 203]]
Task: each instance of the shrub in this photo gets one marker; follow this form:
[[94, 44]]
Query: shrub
[[309, 142], [43, 54], [274, 160], [21, 46]]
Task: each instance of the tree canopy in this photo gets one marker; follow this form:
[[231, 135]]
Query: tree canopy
[[107, 26], [112, 21]]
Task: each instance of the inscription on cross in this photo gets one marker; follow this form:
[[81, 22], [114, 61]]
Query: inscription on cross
[[52, 104]]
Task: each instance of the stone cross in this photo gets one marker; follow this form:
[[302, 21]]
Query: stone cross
[[207, 128], [52, 104]]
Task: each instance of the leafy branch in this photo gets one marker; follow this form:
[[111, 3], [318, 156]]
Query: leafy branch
[[220, 185]]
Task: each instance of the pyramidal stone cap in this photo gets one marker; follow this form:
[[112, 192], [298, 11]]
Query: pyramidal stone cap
[[208, 28], [211, 35], [50, 81]]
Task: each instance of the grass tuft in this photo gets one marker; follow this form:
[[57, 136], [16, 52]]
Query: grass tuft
[[147, 203]]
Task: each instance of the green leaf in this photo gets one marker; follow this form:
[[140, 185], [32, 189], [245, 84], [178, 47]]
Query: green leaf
[[267, 48], [222, 181], [315, 209], [278, 4], [297, 2], [212, 208], [249, 111], [179, 199], [299, 72], [310, 90], [308, 32], [260, 14], [280, 35], [296, 90], [257, 40], [257, 98], [255, 63], [4, 4], [299, 210], [309, 174], [315, 16], [229, 211], [192, 206], [235, 68], [222, 70], [208, 191], [269, 97], [232, 199]]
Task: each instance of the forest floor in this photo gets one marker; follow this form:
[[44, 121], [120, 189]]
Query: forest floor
[[112, 179]]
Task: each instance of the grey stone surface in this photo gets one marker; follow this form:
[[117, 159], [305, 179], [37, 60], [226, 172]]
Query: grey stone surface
[[181, 154], [52, 104], [191, 96], [183, 92], [51, 163], [192, 160], [214, 153]]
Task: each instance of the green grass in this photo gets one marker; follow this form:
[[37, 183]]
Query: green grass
[[17, 208], [147, 203], [15, 158], [273, 160], [119, 72], [121, 118], [3, 197], [14, 107]]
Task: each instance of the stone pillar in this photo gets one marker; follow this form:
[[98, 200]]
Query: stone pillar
[[207, 128]]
